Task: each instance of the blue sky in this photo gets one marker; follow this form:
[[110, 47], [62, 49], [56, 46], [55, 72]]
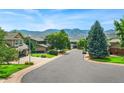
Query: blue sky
[[42, 19]]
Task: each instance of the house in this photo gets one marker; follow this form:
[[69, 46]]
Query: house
[[40, 45], [115, 47], [73, 43], [41, 48], [16, 40]]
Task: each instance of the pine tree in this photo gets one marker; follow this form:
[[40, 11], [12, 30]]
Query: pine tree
[[97, 44]]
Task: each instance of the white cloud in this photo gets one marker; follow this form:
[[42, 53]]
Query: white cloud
[[33, 11], [17, 14], [33, 19]]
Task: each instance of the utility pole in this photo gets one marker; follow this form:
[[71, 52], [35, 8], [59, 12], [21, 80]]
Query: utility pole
[[18, 57], [29, 48]]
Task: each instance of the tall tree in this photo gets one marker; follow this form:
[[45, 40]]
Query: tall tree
[[58, 40], [82, 43], [32, 43], [97, 44], [51, 39], [64, 40], [2, 35], [2, 45], [119, 28], [6, 53]]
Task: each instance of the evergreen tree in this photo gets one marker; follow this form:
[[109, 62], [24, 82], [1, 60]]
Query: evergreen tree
[[97, 44]]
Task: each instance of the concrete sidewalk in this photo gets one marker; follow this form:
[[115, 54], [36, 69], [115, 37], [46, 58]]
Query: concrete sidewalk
[[35, 60]]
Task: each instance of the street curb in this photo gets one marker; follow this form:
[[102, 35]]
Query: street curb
[[87, 59]]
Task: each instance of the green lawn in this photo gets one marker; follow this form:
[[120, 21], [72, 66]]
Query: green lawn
[[43, 55], [7, 70], [112, 59]]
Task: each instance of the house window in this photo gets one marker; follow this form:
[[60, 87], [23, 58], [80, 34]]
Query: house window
[[18, 42]]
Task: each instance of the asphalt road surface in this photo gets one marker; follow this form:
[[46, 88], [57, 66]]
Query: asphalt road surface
[[71, 68]]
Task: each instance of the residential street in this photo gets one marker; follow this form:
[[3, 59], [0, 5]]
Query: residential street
[[71, 68]]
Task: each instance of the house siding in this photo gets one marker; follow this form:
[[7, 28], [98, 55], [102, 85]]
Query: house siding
[[41, 49], [15, 40]]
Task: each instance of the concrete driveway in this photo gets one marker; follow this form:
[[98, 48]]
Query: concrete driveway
[[35, 60], [71, 68]]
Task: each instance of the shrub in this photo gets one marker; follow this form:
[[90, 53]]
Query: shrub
[[62, 51], [37, 55], [53, 52], [29, 63], [43, 56]]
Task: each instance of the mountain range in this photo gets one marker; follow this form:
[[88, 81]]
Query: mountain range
[[72, 33]]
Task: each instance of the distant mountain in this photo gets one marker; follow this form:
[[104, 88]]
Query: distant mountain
[[32, 33], [73, 33], [110, 33]]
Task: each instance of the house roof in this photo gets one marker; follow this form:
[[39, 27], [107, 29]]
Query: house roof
[[43, 45], [37, 39], [73, 40], [114, 40], [115, 43], [12, 35], [115, 46], [23, 47]]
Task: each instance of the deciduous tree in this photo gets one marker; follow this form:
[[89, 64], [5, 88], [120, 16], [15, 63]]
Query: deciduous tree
[[82, 43], [6, 53], [119, 28], [58, 40]]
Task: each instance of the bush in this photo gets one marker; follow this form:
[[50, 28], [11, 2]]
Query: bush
[[43, 56], [53, 52], [36, 55], [29, 63], [62, 51]]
